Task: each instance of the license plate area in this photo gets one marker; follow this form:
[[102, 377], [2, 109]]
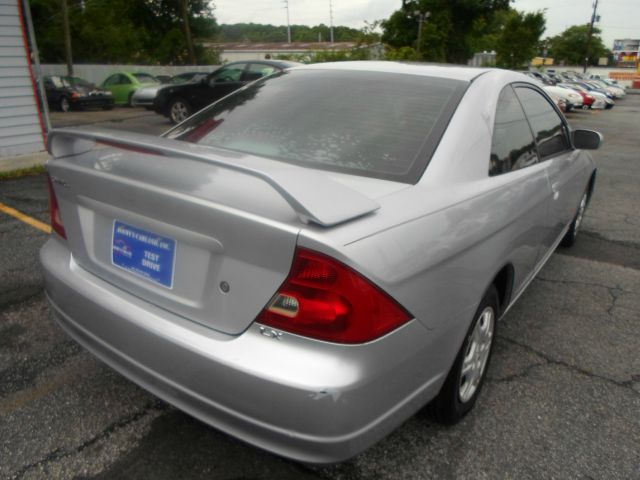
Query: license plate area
[[143, 253]]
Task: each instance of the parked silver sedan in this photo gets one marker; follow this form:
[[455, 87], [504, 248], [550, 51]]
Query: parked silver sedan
[[309, 261]]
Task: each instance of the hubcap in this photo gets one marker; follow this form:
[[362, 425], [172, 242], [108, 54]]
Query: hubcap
[[477, 354], [179, 112], [580, 215], [64, 105]]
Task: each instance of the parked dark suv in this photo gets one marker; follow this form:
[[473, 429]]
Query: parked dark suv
[[180, 101]]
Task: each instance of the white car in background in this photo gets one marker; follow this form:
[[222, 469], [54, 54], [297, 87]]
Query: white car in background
[[572, 98], [608, 103], [613, 90]]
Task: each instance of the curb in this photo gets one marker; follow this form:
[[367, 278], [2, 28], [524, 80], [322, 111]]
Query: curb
[[19, 162]]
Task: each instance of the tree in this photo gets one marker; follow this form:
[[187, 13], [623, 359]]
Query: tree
[[125, 31], [448, 34], [518, 40], [261, 33], [570, 46]]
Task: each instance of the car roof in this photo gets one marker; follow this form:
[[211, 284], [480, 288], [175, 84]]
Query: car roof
[[454, 72], [275, 63]]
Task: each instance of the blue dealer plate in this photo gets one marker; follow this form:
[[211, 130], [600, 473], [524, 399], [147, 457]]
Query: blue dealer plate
[[143, 253]]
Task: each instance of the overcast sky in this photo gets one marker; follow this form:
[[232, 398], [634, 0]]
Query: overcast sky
[[619, 18]]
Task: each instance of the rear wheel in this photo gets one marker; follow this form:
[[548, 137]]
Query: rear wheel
[[464, 382], [179, 110], [64, 105], [570, 237]]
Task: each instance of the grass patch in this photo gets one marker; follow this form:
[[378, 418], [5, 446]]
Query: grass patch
[[23, 172]]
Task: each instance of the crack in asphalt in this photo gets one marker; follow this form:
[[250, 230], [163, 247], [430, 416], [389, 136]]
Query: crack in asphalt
[[615, 292], [548, 360], [59, 454], [624, 243]]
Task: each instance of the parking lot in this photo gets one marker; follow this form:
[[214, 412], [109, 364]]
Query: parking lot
[[562, 398]]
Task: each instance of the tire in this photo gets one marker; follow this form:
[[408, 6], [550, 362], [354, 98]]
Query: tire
[[570, 237], [179, 110], [585, 107], [107, 107], [461, 390], [64, 105]]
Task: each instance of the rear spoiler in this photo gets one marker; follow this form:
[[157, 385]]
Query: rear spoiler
[[314, 196]]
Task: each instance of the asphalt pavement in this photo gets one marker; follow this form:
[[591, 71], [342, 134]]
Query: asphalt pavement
[[562, 398]]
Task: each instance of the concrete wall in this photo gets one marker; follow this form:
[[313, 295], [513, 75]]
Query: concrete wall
[[20, 127], [98, 73]]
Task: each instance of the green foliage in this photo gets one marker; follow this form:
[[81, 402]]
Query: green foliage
[[22, 172], [517, 41], [123, 31], [570, 46], [401, 54], [448, 34]]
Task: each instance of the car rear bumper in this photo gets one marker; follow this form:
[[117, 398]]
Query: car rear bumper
[[311, 401], [88, 102], [141, 101]]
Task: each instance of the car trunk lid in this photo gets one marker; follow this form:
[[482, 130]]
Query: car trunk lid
[[181, 227]]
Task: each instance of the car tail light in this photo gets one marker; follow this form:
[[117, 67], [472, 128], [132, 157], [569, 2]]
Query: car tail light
[[324, 299], [54, 209]]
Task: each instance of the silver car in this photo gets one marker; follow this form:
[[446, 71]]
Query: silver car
[[312, 259]]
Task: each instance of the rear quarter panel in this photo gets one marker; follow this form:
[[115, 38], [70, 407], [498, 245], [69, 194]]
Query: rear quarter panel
[[441, 242]]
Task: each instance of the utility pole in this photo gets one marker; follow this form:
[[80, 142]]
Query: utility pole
[[331, 19], [286, 5], [422, 17], [187, 31], [67, 37], [589, 35]]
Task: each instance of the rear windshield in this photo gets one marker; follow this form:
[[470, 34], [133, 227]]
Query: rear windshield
[[373, 124]]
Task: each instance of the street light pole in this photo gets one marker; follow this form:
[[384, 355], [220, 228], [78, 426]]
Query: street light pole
[[67, 37], [422, 17], [286, 5], [589, 35]]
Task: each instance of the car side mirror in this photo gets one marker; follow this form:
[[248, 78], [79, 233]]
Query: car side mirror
[[586, 139]]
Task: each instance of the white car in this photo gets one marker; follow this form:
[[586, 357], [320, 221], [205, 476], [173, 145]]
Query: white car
[[573, 99], [614, 90]]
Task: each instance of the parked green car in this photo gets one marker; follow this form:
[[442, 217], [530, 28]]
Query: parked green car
[[122, 85]]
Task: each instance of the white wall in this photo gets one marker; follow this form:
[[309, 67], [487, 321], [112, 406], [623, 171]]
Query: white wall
[[20, 127], [98, 73]]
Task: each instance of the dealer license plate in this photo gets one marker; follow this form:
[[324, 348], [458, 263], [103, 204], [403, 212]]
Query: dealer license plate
[[143, 253]]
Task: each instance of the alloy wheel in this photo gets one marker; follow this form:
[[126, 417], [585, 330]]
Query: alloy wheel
[[477, 354]]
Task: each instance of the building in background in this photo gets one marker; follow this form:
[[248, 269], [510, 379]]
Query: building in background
[[232, 52], [625, 52], [21, 124]]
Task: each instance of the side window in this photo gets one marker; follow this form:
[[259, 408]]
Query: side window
[[123, 80], [258, 70], [512, 145], [227, 74], [112, 80], [545, 122]]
